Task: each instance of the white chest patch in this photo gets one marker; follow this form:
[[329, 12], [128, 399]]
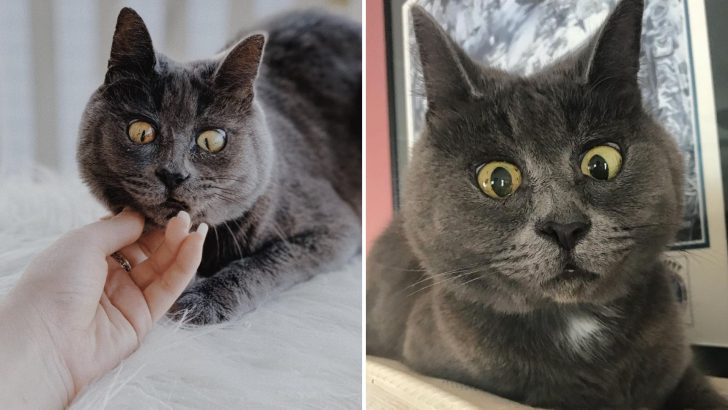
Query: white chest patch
[[582, 331]]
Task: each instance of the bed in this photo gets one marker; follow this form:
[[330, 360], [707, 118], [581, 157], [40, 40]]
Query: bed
[[300, 349]]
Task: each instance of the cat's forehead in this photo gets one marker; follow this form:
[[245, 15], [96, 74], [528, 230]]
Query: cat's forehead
[[182, 91], [199, 70], [523, 118]]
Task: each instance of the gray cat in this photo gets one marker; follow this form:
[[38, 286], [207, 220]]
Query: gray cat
[[524, 260], [262, 142]]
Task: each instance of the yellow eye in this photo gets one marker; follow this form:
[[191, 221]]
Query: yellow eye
[[602, 162], [141, 132], [212, 140], [499, 179]]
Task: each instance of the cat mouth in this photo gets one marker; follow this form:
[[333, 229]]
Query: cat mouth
[[175, 205], [571, 272]]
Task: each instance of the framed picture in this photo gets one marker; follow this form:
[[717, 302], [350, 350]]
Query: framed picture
[[523, 36]]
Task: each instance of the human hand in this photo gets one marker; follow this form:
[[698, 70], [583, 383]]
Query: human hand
[[76, 313]]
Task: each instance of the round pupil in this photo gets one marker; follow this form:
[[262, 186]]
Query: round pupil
[[598, 167], [501, 182]]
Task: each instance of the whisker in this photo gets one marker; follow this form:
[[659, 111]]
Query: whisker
[[442, 274], [450, 278], [235, 239]]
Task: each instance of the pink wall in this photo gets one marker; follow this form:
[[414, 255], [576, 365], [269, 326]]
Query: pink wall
[[378, 166]]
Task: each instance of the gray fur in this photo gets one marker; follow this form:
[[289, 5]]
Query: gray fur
[[469, 288], [283, 198]]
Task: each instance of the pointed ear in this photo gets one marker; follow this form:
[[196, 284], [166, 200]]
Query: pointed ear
[[449, 73], [615, 56], [131, 49], [238, 70]]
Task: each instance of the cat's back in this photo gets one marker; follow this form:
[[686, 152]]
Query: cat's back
[[313, 60], [311, 43], [310, 83]]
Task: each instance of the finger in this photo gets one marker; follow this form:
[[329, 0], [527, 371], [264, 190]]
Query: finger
[[162, 293], [140, 250], [158, 262], [113, 234], [126, 296], [151, 241]]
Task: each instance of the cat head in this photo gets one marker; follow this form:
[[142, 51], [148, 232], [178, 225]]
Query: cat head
[[160, 136], [555, 187]]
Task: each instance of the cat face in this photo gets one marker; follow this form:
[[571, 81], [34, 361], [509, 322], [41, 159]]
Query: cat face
[[556, 187], [163, 137]]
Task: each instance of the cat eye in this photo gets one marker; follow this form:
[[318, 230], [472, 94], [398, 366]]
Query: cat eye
[[499, 179], [141, 132], [602, 162], [212, 140]]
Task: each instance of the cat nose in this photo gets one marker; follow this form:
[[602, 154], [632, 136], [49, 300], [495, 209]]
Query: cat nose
[[171, 179], [566, 235]]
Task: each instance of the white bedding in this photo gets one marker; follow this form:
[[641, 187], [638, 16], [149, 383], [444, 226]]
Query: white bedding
[[300, 350]]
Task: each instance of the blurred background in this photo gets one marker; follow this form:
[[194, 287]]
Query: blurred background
[[53, 54]]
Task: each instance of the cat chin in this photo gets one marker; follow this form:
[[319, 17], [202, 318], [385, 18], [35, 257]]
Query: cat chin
[[528, 301], [569, 288], [563, 289], [571, 296], [158, 218], [196, 220], [566, 296]]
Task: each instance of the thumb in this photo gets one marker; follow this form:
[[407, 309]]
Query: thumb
[[112, 234]]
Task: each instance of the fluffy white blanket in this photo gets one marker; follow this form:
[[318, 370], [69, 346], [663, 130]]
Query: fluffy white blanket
[[301, 349]]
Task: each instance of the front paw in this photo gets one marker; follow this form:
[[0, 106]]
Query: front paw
[[200, 306]]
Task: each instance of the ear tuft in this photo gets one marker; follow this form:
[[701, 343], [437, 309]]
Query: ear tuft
[[239, 69], [131, 49]]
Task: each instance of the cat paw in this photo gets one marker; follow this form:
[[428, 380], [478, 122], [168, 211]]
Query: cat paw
[[197, 307]]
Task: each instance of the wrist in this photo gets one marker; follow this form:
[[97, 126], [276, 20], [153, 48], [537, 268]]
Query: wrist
[[33, 372]]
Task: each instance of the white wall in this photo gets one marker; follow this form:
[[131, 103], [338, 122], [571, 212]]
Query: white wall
[[53, 54]]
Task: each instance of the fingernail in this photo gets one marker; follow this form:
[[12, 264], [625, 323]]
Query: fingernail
[[184, 215], [203, 228]]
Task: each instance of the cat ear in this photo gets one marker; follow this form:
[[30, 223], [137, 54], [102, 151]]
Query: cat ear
[[615, 56], [448, 71], [237, 72], [131, 49]]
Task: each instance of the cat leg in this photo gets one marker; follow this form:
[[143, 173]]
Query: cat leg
[[243, 284], [695, 392]]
